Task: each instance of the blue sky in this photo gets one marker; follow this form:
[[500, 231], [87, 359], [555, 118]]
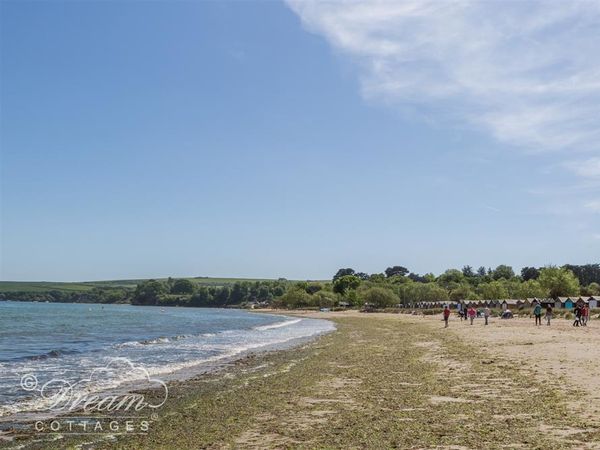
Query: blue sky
[[267, 139]]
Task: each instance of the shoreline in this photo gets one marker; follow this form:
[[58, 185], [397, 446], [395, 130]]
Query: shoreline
[[379, 381], [21, 420]]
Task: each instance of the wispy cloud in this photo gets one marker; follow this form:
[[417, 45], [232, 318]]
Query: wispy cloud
[[491, 208], [593, 206], [588, 168], [525, 72]]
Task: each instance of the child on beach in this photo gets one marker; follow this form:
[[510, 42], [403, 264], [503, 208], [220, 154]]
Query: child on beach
[[471, 313], [585, 315], [537, 312], [446, 315], [486, 314], [548, 314]]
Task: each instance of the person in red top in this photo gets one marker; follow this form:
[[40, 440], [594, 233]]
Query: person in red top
[[585, 315], [446, 315], [472, 313]]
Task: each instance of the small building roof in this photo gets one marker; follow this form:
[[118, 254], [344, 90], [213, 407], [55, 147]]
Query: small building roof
[[511, 301]]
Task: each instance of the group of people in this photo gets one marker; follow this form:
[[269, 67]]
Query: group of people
[[582, 314], [537, 313], [467, 314]]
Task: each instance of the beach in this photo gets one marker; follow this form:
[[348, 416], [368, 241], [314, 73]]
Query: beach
[[390, 381]]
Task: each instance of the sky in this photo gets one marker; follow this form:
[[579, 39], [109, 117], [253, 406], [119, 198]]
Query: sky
[[289, 139]]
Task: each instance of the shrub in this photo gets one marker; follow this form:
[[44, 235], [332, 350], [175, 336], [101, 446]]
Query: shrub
[[380, 297]]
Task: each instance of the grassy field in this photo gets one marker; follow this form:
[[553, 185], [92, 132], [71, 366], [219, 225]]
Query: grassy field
[[44, 286], [378, 382]]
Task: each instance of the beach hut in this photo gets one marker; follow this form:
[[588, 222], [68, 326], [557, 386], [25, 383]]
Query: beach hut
[[496, 303], [593, 301], [558, 304], [510, 303], [580, 301], [566, 302]]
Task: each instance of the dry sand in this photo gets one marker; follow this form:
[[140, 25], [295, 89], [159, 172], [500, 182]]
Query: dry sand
[[561, 355]]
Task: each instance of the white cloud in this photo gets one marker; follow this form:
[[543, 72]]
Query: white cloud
[[588, 168], [593, 206], [526, 72]]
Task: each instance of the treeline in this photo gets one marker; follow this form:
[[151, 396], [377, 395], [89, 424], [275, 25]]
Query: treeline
[[185, 292], [398, 286], [95, 295]]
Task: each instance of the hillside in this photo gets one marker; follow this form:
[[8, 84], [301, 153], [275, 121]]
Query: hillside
[[45, 286]]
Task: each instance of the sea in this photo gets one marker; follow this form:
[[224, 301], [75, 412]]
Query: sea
[[42, 344]]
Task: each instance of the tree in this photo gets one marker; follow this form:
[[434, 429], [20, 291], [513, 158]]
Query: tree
[[326, 299], [148, 292], [462, 292], [429, 277], [493, 290], [239, 292], [529, 273], [412, 293], [558, 282], [380, 297], [503, 271], [450, 276], [481, 272], [468, 271], [343, 284], [182, 286], [264, 293], [362, 275], [532, 288], [418, 278], [396, 270], [377, 278], [221, 297], [343, 272], [313, 288], [588, 273], [202, 297], [592, 289], [296, 298]]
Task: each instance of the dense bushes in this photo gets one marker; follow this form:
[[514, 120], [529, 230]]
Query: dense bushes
[[380, 297]]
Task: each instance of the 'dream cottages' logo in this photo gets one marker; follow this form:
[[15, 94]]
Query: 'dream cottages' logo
[[62, 396]]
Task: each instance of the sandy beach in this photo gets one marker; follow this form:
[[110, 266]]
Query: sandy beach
[[390, 381]]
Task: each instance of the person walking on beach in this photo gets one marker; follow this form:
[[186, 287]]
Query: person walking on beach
[[446, 315], [577, 316], [548, 314], [537, 312], [486, 314], [472, 313], [585, 315]]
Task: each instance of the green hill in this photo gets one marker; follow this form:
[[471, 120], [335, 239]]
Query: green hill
[[45, 286]]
